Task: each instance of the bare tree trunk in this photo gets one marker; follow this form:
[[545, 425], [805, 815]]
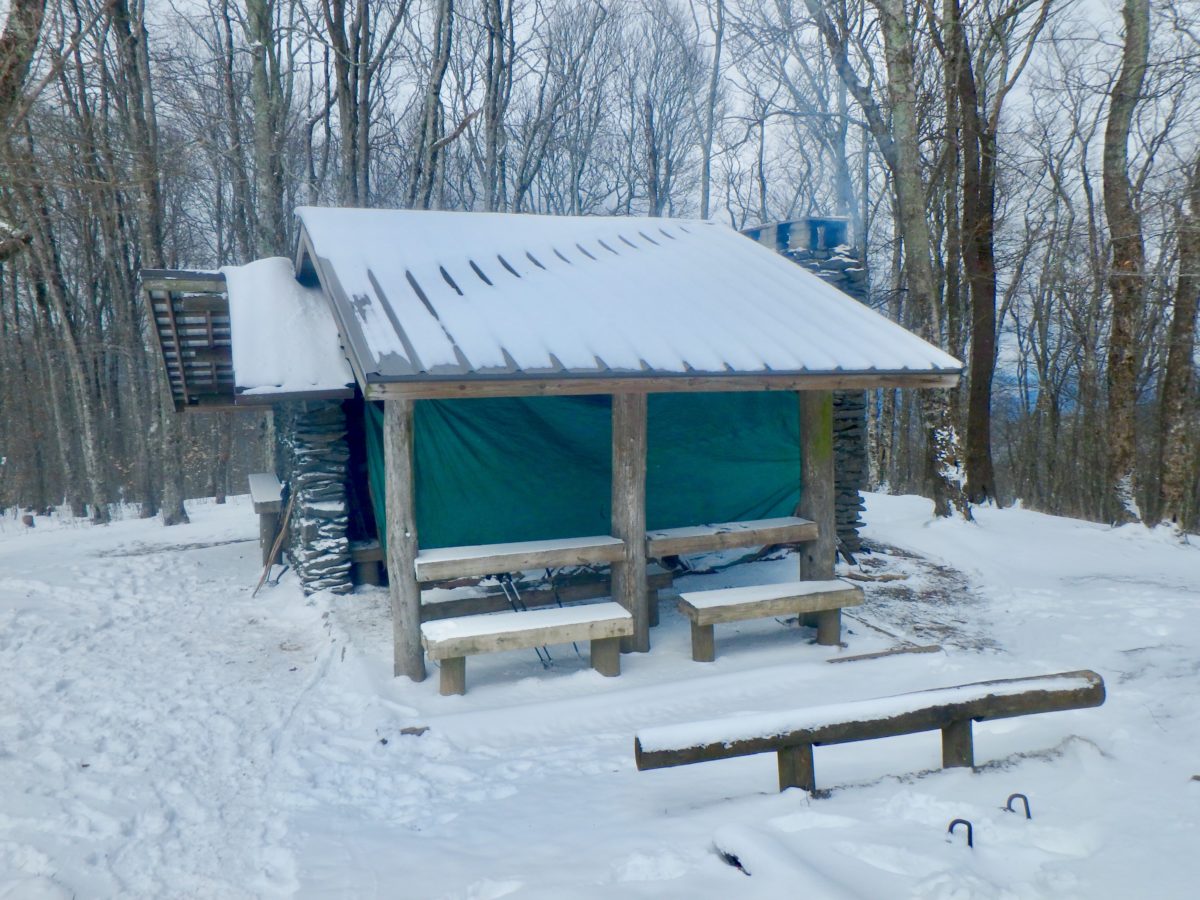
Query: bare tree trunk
[[424, 177], [17, 45], [1179, 406], [1126, 278], [266, 103], [240, 214], [943, 466], [716, 20], [132, 46], [978, 147], [497, 90], [359, 43]]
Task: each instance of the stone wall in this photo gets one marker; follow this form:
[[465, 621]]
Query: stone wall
[[842, 267], [313, 463]]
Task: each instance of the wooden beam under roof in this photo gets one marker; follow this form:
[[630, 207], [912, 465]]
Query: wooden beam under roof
[[183, 281], [436, 389]]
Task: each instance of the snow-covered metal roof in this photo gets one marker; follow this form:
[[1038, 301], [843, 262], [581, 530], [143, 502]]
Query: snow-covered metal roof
[[459, 297], [285, 341]]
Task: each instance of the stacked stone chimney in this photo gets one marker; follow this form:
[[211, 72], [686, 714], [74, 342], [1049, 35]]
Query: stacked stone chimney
[[821, 244]]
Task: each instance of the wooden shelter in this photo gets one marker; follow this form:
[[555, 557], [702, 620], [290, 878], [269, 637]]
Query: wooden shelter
[[404, 307]]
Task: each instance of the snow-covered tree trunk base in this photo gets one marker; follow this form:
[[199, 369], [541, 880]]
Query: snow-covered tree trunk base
[[946, 474]]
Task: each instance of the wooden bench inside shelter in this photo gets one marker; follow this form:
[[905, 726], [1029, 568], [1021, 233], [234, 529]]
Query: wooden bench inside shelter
[[792, 734], [367, 557], [728, 535], [266, 493], [493, 559], [452, 640], [826, 598]]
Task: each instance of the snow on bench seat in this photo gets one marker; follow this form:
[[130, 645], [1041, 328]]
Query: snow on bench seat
[[825, 598], [266, 492], [491, 559], [452, 640], [793, 733], [726, 535]]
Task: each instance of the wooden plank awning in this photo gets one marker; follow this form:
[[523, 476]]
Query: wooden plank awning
[[190, 315], [245, 336]]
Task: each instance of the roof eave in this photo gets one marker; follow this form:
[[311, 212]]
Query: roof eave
[[429, 388]]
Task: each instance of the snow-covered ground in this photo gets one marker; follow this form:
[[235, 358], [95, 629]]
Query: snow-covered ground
[[162, 734]]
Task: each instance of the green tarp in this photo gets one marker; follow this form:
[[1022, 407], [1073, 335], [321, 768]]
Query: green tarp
[[523, 469]]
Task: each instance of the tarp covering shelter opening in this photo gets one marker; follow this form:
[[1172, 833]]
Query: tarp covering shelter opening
[[532, 468]]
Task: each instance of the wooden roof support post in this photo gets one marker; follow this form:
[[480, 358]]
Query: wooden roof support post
[[629, 514], [402, 538], [816, 488]]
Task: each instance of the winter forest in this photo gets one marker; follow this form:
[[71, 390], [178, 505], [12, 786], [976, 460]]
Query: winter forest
[[1021, 176]]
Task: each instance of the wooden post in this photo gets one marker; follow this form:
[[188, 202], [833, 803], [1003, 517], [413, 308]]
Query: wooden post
[[629, 514], [704, 648], [796, 768], [268, 528], [606, 656], [816, 487], [402, 538], [829, 627], [958, 749], [454, 676]]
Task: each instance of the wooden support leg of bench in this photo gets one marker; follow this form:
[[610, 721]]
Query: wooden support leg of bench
[[796, 768], [606, 656], [957, 747], [268, 526], [368, 573], [454, 676], [829, 627], [704, 647]]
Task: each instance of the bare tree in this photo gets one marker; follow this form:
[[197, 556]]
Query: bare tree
[[1128, 259], [1179, 403], [18, 43]]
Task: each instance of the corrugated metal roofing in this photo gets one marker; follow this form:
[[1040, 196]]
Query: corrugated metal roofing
[[459, 295]]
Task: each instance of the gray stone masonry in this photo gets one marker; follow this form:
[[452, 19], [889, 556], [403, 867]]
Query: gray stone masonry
[[319, 548], [842, 268]]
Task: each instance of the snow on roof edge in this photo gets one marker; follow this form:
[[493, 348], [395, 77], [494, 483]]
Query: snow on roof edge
[[284, 338]]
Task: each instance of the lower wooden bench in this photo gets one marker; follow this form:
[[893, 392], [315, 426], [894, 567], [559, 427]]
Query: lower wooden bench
[[825, 598], [793, 734], [452, 640]]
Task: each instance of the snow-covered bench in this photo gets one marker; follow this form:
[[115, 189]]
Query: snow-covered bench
[[492, 559], [793, 734], [726, 535], [266, 493], [824, 598], [452, 640]]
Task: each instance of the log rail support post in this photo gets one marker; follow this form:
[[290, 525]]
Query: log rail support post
[[405, 592], [958, 747], [796, 768], [629, 514]]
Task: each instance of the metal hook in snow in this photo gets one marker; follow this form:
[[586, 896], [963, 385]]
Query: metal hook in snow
[[970, 831], [1023, 799]]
